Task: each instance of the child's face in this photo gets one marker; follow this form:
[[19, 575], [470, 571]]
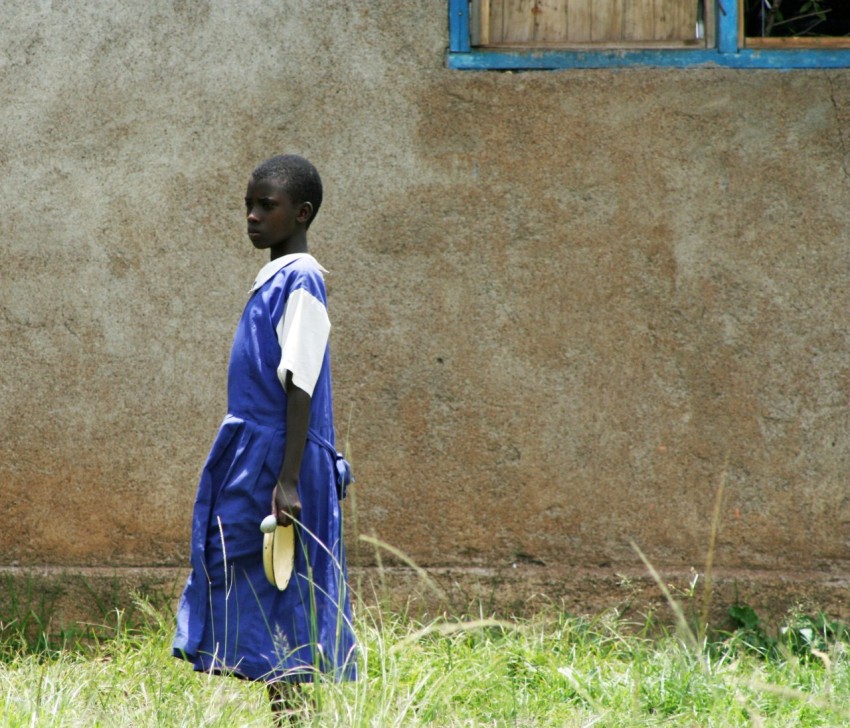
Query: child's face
[[273, 220]]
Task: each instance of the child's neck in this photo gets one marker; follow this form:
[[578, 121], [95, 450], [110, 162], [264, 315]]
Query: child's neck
[[296, 244]]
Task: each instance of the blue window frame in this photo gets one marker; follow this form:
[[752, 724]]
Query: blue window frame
[[729, 51]]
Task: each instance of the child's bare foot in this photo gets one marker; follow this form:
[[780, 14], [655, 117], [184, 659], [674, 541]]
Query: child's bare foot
[[287, 702]]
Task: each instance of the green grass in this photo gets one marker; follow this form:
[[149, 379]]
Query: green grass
[[550, 670]]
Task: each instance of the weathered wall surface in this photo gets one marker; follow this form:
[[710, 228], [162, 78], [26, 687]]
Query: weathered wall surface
[[566, 305]]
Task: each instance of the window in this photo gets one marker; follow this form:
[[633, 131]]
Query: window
[[525, 34], [795, 23]]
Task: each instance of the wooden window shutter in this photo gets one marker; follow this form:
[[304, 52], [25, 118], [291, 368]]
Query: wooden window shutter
[[569, 22]]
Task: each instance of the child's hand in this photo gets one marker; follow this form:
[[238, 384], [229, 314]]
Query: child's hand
[[286, 505]]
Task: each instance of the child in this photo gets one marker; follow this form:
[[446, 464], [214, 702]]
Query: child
[[273, 454]]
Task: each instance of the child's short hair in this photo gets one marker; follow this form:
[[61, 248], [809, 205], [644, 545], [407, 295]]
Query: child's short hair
[[298, 176]]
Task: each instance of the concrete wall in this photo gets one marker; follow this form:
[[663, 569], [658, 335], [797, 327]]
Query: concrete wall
[[566, 306]]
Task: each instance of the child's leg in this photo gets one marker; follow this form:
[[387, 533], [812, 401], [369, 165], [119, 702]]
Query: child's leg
[[286, 701]]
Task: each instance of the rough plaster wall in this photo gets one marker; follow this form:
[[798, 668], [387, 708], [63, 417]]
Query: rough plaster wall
[[565, 304]]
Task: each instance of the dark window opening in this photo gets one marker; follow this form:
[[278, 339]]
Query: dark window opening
[[796, 19]]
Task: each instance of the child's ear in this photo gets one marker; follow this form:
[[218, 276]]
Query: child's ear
[[305, 212]]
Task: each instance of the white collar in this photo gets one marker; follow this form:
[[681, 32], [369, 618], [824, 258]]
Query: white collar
[[272, 267]]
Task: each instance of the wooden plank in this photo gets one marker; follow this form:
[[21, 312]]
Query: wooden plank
[[606, 21], [479, 22], [686, 19], [578, 21], [518, 20], [675, 16], [710, 23], [550, 20], [484, 22], [638, 20], [742, 35], [496, 21], [800, 41], [661, 20], [675, 19]]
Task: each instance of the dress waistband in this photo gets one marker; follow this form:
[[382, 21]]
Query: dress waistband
[[278, 426], [343, 467]]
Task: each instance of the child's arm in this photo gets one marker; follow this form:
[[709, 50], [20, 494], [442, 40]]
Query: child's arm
[[286, 503]]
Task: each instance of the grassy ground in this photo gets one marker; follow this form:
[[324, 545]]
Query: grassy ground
[[548, 671]]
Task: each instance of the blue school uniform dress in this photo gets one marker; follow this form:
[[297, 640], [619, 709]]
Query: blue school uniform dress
[[230, 618]]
